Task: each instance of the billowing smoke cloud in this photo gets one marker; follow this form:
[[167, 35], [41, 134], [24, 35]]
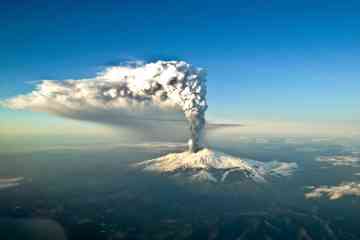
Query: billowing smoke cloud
[[153, 92]]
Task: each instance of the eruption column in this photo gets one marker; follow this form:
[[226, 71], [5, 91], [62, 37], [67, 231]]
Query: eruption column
[[164, 85]]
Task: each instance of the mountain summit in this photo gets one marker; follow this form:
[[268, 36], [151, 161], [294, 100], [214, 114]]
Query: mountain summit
[[214, 166]]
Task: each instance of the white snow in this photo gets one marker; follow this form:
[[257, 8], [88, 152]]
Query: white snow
[[204, 163], [203, 175]]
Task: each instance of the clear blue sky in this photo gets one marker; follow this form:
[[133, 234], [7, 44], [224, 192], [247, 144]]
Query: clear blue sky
[[266, 60]]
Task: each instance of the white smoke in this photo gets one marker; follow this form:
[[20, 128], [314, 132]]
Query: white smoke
[[128, 94]]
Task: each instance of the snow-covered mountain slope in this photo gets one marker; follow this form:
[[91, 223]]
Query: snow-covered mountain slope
[[213, 166]]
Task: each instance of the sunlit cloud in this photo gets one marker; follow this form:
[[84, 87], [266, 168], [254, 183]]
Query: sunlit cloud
[[149, 98], [325, 131], [6, 183], [334, 192], [108, 146], [341, 160]]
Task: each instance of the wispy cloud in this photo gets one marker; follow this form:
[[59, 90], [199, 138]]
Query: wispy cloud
[[106, 146], [334, 192], [324, 131], [341, 160], [10, 182], [127, 62]]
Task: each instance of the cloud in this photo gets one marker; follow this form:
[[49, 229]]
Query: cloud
[[10, 182], [130, 62], [335, 192], [341, 160], [303, 129], [107, 146], [147, 97]]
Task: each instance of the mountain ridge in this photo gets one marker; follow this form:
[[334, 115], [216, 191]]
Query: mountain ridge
[[208, 165]]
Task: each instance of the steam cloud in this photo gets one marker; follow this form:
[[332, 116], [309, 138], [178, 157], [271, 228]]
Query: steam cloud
[[130, 92]]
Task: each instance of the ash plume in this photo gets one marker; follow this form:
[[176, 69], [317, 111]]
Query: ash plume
[[127, 94]]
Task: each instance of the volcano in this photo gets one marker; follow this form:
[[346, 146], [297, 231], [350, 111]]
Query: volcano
[[207, 165]]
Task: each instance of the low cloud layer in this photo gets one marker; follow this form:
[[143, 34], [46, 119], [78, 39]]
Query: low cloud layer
[[341, 160], [142, 97], [335, 192], [10, 182]]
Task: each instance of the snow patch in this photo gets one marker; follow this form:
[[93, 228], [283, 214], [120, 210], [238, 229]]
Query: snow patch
[[214, 166]]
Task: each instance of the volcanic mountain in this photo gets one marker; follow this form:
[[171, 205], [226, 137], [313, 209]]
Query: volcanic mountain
[[214, 166]]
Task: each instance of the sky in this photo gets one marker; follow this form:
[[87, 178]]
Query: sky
[[293, 62]]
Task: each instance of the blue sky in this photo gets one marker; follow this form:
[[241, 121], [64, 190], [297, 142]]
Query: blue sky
[[266, 60]]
